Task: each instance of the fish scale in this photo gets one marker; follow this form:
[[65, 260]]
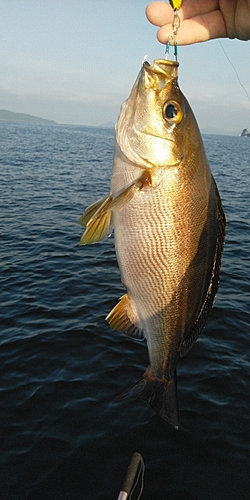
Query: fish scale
[[152, 290], [152, 236], [169, 229]]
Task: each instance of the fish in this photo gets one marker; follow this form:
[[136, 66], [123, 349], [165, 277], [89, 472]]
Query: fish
[[169, 230]]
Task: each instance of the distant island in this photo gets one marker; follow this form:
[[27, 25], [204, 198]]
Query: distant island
[[245, 133], [22, 117]]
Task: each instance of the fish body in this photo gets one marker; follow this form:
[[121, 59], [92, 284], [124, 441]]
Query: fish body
[[169, 229]]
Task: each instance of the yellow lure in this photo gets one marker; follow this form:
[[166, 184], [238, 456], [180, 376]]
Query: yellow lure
[[176, 4]]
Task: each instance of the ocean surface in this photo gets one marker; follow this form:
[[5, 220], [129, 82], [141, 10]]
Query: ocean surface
[[61, 365]]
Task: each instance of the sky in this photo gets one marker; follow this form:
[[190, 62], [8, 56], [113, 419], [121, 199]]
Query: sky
[[75, 61]]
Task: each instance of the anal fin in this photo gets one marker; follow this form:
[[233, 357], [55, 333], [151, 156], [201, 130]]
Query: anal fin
[[123, 318]]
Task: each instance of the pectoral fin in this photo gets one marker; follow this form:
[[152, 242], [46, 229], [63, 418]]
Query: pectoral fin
[[123, 318], [124, 197], [97, 229], [127, 194], [99, 225], [90, 212], [97, 217]]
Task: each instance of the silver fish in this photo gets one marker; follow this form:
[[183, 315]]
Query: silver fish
[[169, 229]]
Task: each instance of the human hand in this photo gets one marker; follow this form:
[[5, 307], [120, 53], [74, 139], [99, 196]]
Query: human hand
[[202, 20]]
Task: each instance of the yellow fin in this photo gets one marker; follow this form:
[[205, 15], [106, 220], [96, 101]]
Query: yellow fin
[[124, 197], [99, 225], [97, 217], [123, 318], [90, 211], [119, 202], [97, 229]]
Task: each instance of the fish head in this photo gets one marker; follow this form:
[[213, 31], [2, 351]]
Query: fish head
[[151, 125]]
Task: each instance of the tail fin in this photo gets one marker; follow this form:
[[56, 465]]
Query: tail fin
[[160, 394]]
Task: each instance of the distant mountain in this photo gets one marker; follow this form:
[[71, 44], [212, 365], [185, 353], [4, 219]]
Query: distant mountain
[[22, 117]]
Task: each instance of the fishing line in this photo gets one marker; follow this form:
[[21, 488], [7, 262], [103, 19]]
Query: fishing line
[[241, 84]]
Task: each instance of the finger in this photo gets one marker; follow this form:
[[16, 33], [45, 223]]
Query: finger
[[159, 13], [199, 29]]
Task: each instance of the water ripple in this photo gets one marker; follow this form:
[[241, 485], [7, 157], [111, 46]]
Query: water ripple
[[60, 363]]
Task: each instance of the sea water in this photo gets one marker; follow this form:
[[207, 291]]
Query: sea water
[[61, 365]]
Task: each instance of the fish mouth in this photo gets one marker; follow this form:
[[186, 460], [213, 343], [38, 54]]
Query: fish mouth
[[159, 75], [162, 67]]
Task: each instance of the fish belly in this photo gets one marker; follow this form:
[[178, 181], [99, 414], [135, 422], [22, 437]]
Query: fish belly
[[164, 260]]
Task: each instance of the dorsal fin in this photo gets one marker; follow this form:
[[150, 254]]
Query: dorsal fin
[[213, 284]]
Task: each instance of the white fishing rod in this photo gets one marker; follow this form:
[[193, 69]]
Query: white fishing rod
[[135, 468]]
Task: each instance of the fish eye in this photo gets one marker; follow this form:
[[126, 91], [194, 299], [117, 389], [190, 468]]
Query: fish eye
[[172, 112]]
